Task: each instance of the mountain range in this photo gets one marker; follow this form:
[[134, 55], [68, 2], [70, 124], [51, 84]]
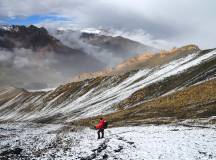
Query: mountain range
[[39, 58]]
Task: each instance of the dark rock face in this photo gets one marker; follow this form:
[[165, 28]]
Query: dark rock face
[[28, 37], [32, 37]]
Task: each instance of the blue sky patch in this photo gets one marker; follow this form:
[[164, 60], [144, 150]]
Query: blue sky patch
[[34, 19]]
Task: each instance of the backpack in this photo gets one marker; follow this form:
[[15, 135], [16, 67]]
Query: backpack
[[105, 124]]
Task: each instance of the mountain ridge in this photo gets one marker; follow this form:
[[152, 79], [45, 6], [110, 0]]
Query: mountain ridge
[[140, 61], [77, 101]]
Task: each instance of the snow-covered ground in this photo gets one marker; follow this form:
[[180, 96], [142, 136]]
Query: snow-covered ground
[[36, 141]]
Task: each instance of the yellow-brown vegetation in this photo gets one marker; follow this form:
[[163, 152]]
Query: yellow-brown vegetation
[[198, 101]]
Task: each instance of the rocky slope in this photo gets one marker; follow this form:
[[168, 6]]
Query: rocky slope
[[140, 93]]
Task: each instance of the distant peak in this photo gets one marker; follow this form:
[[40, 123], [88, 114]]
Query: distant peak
[[9, 28], [189, 47], [182, 50]]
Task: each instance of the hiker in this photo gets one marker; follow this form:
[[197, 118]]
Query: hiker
[[101, 126]]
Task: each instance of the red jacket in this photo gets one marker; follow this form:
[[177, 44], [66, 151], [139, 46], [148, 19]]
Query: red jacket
[[100, 124]]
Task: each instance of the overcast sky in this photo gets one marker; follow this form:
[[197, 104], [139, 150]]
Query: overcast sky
[[167, 23]]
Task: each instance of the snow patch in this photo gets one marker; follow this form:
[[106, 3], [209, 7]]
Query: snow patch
[[91, 30]]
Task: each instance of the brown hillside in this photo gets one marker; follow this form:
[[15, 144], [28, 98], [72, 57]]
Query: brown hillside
[[197, 101]]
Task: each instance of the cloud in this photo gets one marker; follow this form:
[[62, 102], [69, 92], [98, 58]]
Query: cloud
[[177, 22], [144, 37], [23, 66], [72, 39], [5, 56], [25, 8], [27, 59]]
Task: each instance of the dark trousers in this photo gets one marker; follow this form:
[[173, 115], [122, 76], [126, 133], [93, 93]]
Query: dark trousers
[[101, 130]]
